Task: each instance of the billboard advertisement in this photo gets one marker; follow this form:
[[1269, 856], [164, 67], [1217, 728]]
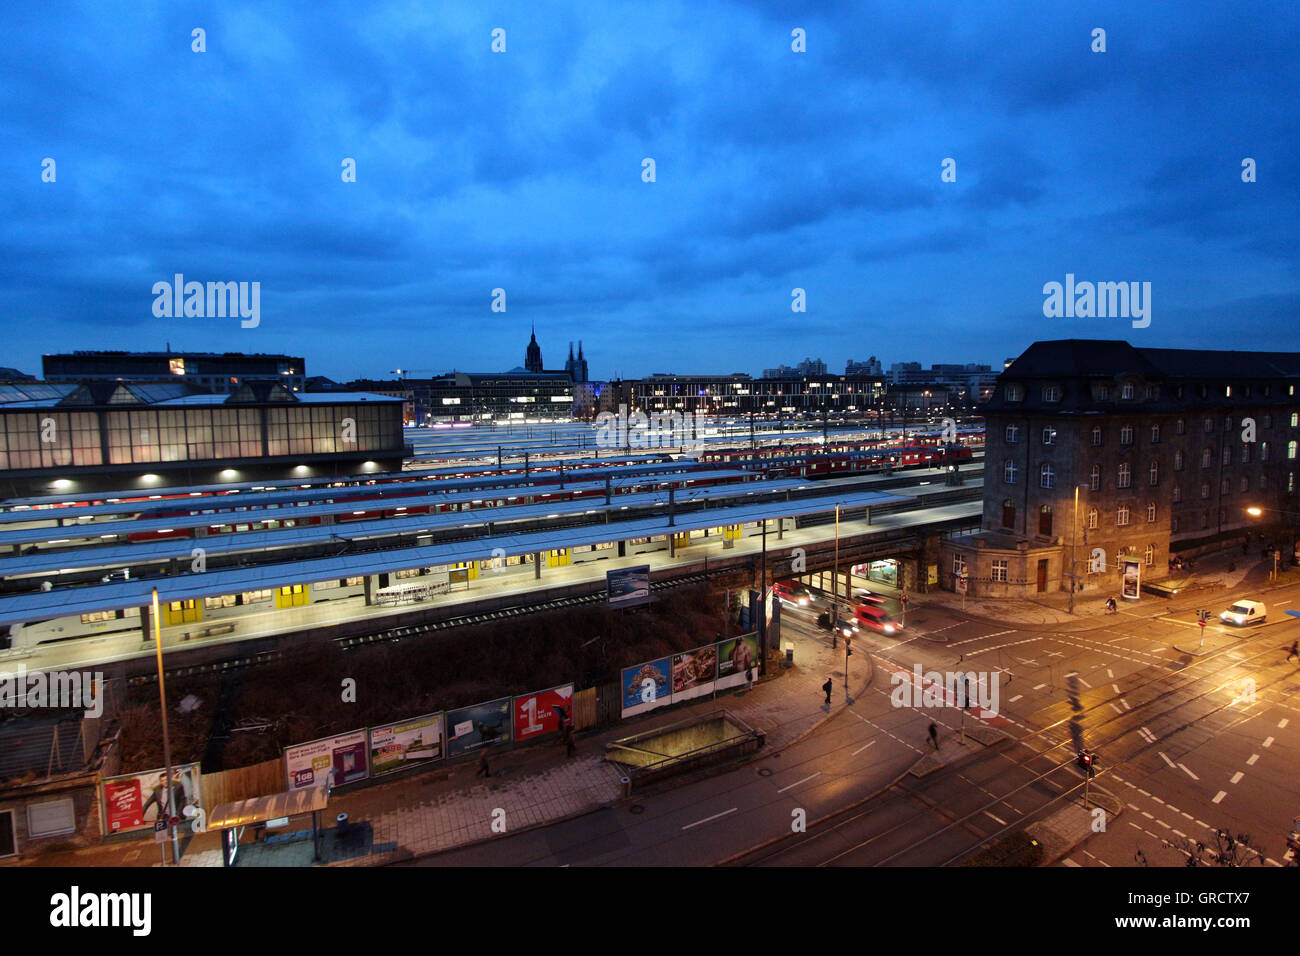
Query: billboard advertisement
[[1132, 579], [535, 714], [735, 656], [309, 764], [135, 801], [628, 587], [647, 686], [410, 743], [478, 726], [694, 672]]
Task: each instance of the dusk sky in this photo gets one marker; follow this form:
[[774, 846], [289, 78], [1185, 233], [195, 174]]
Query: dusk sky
[[522, 170]]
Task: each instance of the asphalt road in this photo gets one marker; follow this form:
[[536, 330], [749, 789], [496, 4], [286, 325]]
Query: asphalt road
[[1188, 743]]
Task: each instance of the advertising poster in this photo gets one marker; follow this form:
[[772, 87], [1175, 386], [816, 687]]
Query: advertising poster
[[1132, 580], [135, 801], [309, 764], [535, 714], [734, 656], [694, 672], [407, 744], [628, 587], [478, 726], [647, 686]]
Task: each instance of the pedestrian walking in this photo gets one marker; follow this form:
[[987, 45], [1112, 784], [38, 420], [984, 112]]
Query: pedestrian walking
[[1294, 652], [749, 677], [484, 768], [934, 736], [570, 744], [828, 687]]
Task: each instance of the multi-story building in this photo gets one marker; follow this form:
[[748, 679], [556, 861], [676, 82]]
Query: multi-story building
[[739, 394], [870, 368], [1097, 452], [218, 372]]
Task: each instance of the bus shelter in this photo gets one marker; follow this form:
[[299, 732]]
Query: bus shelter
[[275, 810]]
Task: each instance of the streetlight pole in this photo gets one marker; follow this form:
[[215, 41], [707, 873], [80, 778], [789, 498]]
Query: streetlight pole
[[835, 572], [167, 747], [1074, 534]]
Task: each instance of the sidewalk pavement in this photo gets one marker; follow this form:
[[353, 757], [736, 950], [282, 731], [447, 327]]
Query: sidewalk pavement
[[536, 785]]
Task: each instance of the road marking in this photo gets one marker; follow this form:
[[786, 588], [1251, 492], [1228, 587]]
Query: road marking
[[1072, 674], [1066, 862], [1219, 796], [1250, 761], [860, 749], [1115, 707], [1147, 815], [1125, 703], [1016, 698], [1039, 687], [1147, 735], [1281, 724], [1117, 690], [804, 780], [999, 819], [1099, 860], [1281, 602], [1268, 741], [1166, 759], [1085, 683], [1236, 777], [1181, 834], [714, 817], [1143, 792], [1183, 766], [1110, 673], [1165, 825]]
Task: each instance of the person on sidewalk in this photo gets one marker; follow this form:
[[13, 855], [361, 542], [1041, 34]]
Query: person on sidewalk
[[1294, 652], [484, 768], [749, 678], [934, 736], [828, 687]]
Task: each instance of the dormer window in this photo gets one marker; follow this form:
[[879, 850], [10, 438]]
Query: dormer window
[[1015, 393], [1051, 393]]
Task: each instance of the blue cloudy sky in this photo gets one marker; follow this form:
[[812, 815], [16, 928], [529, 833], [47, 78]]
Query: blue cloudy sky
[[522, 170]]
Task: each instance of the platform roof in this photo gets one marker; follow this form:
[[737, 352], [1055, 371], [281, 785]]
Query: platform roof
[[256, 810], [63, 602]]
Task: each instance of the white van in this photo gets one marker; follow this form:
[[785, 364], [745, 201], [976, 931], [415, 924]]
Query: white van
[[1243, 613]]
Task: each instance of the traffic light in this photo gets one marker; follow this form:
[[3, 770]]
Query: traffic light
[[848, 646], [1086, 760]]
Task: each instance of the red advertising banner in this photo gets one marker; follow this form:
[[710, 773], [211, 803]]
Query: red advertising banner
[[535, 714]]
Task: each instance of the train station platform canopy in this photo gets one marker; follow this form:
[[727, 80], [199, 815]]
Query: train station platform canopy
[[67, 601]]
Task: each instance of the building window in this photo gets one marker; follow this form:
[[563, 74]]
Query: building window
[[1245, 483], [1173, 525], [1015, 393], [1180, 427], [1178, 461], [1290, 450], [1152, 392], [1126, 435], [1205, 457], [1045, 520], [1013, 434], [1122, 516], [1000, 570], [1126, 390], [1295, 416], [1008, 513], [1227, 454], [1153, 473], [1151, 512], [1155, 434], [1263, 451], [1051, 393], [1049, 436], [1046, 477], [958, 565], [1290, 478], [1205, 490], [1151, 555], [51, 818], [1225, 486], [1092, 519], [1009, 473], [1125, 476], [1209, 423], [1245, 453], [1268, 419], [1103, 393], [1094, 478], [1096, 436], [1178, 493]]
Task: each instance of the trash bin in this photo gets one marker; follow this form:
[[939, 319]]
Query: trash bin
[[789, 657], [627, 785], [342, 821]]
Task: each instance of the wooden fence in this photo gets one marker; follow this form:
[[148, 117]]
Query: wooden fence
[[241, 783]]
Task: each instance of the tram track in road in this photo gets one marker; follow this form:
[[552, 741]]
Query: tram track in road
[[834, 825]]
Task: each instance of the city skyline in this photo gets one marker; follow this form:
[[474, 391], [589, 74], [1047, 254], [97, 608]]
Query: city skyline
[[775, 170]]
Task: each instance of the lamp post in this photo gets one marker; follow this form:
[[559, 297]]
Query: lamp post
[[1074, 534], [1256, 511], [167, 748]]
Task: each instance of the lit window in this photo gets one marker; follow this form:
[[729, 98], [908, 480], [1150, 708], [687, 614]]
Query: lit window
[[1151, 512], [1125, 476], [1094, 479], [1122, 516], [1046, 477], [1092, 519], [1151, 555], [1049, 436], [1000, 570]]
